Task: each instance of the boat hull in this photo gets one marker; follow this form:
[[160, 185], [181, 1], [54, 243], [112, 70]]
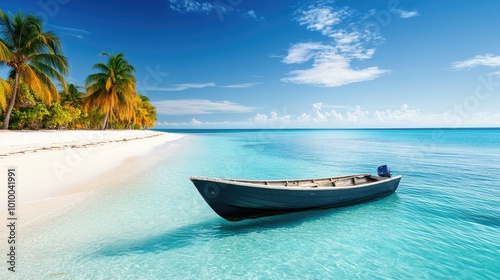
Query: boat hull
[[234, 201]]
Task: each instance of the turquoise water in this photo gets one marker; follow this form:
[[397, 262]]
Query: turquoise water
[[443, 221]]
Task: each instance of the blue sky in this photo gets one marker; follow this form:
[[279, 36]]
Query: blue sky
[[276, 64]]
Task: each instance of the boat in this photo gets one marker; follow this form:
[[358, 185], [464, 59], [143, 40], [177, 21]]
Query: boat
[[236, 200]]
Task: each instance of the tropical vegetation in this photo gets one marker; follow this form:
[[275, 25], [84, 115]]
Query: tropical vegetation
[[30, 99]]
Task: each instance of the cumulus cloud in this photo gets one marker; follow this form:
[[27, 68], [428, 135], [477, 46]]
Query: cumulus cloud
[[479, 60], [198, 107], [196, 122]]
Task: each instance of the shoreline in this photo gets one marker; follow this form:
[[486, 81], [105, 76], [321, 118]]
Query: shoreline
[[57, 169]]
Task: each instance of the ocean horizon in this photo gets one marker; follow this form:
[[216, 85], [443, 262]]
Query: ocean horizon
[[442, 222]]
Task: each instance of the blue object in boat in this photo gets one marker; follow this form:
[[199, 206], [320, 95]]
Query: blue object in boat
[[384, 171]]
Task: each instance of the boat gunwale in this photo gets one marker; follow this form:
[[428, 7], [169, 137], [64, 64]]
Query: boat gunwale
[[261, 183]]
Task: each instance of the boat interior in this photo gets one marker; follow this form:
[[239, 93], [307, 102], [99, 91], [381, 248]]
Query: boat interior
[[319, 183]]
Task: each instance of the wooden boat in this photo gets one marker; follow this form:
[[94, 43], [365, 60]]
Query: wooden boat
[[236, 200]]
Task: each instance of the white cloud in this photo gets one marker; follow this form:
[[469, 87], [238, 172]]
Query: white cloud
[[406, 14], [478, 60], [321, 18], [198, 107], [195, 122], [181, 87], [303, 52], [75, 32], [251, 14], [220, 7], [497, 73], [273, 120], [191, 6], [350, 33], [349, 39], [403, 114], [329, 69], [321, 117], [245, 85]]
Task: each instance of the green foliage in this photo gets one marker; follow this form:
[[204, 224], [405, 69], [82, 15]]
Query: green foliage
[[26, 97], [75, 114], [29, 117], [96, 118], [58, 117], [35, 60], [72, 94]]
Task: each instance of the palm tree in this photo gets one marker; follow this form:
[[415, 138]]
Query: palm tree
[[33, 56], [112, 89], [72, 93], [145, 112]]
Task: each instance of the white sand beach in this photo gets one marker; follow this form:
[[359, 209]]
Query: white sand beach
[[54, 167]]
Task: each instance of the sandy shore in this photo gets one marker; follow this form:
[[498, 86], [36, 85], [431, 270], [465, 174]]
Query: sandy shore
[[55, 167]]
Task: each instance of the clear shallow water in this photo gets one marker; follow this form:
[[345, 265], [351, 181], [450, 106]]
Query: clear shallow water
[[443, 221]]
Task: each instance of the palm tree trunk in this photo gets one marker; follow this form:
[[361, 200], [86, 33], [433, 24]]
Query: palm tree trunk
[[110, 123], [6, 120], [105, 123]]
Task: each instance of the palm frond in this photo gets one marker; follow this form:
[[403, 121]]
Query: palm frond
[[41, 84], [112, 88], [5, 53], [101, 67], [57, 61], [5, 88]]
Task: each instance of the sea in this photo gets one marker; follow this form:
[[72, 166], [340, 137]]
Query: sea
[[443, 222]]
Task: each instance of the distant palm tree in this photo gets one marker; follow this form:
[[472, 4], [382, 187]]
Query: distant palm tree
[[145, 113], [72, 93], [112, 89], [33, 55], [148, 118]]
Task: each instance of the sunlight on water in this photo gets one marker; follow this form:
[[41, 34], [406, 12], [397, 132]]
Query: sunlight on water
[[443, 221]]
